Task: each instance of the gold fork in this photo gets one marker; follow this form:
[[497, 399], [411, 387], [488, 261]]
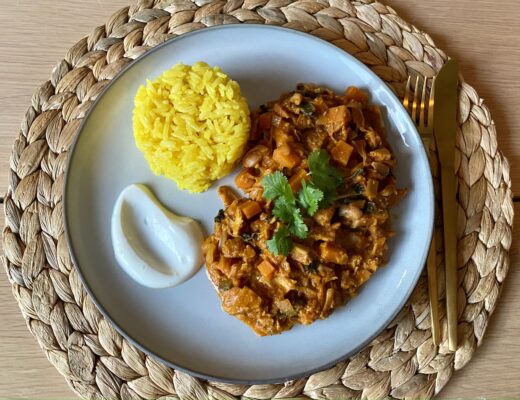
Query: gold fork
[[421, 109]]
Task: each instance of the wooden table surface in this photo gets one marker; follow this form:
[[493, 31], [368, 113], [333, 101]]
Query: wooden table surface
[[483, 34]]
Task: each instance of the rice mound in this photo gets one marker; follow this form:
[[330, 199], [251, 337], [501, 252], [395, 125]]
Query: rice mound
[[192, 125]]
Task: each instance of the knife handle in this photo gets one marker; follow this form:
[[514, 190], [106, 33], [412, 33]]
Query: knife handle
[[449, 213]]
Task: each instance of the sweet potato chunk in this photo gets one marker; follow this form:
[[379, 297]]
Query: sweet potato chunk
[[341, 152], [353, 93], [286, 157], [266, 269], [296, 180], [250, 208], [332, 253]]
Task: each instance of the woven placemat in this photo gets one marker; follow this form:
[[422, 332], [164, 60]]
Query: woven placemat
[[96, 361]]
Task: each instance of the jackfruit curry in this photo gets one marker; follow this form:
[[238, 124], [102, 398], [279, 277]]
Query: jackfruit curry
[[314, 222]]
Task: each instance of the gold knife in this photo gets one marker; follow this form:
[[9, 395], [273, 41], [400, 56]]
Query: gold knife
[[445, 128]]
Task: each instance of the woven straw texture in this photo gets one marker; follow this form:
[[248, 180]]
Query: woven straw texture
[[96, 361]]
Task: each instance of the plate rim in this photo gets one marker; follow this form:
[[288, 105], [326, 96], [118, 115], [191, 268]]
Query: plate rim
[[142, 347]]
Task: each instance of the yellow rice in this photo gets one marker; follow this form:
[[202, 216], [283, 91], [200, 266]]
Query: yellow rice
[[192, 124]]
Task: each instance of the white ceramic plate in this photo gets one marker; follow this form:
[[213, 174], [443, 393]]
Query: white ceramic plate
[[185, 326]]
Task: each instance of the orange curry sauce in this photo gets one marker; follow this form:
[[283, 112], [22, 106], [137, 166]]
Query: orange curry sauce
[[346, 242]]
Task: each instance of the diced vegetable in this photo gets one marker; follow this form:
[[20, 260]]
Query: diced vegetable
[[296, 180], [250, 208], [266, 269], [301, 254], [227, 195], [286, 157], [233, 248], [296, 98], [244, 180], [281, 134], [353, 93], [341, 152], [285, 283], [286, 308], [332, 253], [281, 111], [264, 121], [334, 118], [319, 105], [372, 186]]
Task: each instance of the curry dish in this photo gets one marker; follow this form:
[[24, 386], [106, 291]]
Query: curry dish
[[314, 222]]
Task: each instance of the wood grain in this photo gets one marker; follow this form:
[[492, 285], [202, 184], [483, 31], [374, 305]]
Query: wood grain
[[484, 36]]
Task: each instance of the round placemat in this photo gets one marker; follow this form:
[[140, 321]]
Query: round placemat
[[98, 362]]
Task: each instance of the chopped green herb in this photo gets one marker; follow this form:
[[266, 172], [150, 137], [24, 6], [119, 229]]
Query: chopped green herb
[[324, 176], [281, 243], [291, 215], [309, 198], [283, 211], [307, 109], [356, 173], [358, 188], [249, 237], [311, 267], [371, 208], [276, 185], [220, 216], [320, 193], [350, 198], [298, 227], [225, 284]]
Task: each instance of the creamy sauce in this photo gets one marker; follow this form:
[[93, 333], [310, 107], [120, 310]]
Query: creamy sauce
[[156, 247]]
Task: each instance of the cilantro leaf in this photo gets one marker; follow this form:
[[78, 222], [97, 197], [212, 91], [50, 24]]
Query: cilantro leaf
[[329, 197], [286, 209], [276, 185], [298, 227], [291, 215], [281, 243], [283, 211], [324, 176], [309, 198]]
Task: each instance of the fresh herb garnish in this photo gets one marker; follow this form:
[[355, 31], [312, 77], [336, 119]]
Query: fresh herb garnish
[[321, 192], [276, 186], [281, 243], [358, 188], [324, 176], [249, 237], [371, 208], [309, 198], [277, 189], [307, 109], [356, 173], [312, 266], [291, 215]]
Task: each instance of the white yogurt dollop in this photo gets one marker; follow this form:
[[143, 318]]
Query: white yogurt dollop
[[156, 247]]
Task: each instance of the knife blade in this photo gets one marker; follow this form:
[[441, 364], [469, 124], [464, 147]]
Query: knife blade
[[445, 129]]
